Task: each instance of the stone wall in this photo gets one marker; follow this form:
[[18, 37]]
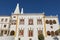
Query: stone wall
[[6, 38], [51, 38]]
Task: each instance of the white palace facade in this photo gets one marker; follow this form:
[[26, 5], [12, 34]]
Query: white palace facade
[[28, 26]]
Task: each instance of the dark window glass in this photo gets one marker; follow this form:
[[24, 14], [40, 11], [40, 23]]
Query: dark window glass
[[30, 39], [39, 32], [12, 32], [18, 38], [6, 20], [51, 22], [47, 22], [52, 27], [52, 33], [56, 33], [21, 32], [14, 16], [48, 33], [39, 21], [54, 21], [4, 25], [21, 21], [30, 33], [13, 22], [5, 32], [30, 22], [2, 20], [1, 32]]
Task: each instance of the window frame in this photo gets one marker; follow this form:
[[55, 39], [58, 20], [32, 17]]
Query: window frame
[[21, 22], [30, 33], [2, 19], [30, 21], [54, 21], [6, 19], [47, 21], [39, 21], [48, 33], [21, 32]]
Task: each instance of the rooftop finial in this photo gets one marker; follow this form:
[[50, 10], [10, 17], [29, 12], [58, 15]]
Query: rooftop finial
[[17, 11], [57, 15], [18, 4], [22, 11], [43, 12]]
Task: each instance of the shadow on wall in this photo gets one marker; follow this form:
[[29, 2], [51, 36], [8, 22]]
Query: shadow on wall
[[56, 38]]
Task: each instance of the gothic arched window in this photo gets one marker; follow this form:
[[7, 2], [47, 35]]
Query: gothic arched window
[[12, 32], [39, 32], [50, 22], [52, 33], [30, 22], [21, 21], [48, 33], [39, 21], [52, 27], [30, 33], [47, 22], [2, 20], [21, 32], [5, 32], [54, 21], [56, 33], [6, 20]]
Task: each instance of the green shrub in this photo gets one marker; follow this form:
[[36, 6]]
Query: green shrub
[[41, 37]]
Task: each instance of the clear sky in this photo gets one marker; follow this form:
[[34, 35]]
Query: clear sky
[[50, 7]]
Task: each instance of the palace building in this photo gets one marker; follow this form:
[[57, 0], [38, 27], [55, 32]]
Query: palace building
[[27, 26]]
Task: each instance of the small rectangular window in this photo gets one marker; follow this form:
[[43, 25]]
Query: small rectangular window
[[13, 22], [6, 20], [18, 38], [5, 32], [14, 16], [30, 33], [39, 21], [2, 20], [30, 39], [30, 21], [5, 26], [21, 21], [39, 32], [1, 32], [21, 32]]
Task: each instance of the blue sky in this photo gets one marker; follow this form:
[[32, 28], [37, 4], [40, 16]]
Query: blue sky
[[50, 7]]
